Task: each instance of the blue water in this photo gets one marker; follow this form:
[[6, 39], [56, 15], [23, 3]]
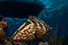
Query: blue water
[[55, 12]]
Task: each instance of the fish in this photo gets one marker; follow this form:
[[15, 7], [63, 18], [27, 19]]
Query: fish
[[31, 29]]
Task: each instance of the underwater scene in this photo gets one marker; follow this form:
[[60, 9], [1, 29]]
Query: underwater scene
[[33, 22]]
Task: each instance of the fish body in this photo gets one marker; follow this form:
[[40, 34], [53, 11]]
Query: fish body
[[29, 29]]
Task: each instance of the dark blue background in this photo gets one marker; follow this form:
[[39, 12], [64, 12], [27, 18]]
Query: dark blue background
[[16, 13]]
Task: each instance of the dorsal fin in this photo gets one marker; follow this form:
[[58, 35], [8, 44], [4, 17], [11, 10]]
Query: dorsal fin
[[31, 17]]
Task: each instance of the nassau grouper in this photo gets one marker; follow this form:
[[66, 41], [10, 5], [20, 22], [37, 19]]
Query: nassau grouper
[[31, 29]]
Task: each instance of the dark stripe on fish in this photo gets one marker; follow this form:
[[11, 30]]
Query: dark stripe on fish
[[24, 31], [16, 32], [27, 23], [34, 22], [40, 25], [39, 21], [43, 24]]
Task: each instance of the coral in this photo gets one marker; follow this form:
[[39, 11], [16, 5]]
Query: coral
[[46, 43]]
